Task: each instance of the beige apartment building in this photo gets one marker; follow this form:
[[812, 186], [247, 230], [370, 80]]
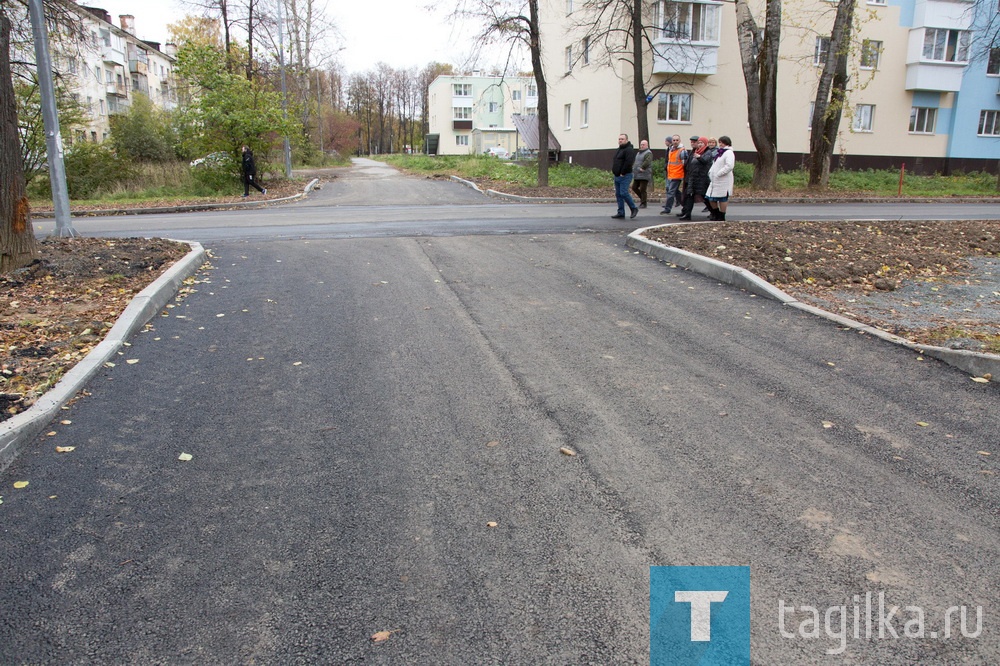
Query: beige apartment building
[[920, 93], [467, 115]]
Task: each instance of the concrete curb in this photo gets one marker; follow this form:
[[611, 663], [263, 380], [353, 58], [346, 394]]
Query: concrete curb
[[975, 363], [180, 209], [20, 429]]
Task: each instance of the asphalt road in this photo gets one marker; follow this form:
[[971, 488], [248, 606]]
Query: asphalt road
[[360, 412]]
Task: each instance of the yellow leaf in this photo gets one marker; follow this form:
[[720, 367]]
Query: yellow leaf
[[51, 433], [491, 524], [567, 451], [495, 442], [981, 380], [185, 457], [380, 636], [827, 424], [922, 424], [983, 453], [65, 422], [64, 449], [20, 484], [297, 363], [132, 361]]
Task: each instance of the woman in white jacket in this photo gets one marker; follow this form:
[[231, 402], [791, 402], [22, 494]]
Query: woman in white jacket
[[720, 180]]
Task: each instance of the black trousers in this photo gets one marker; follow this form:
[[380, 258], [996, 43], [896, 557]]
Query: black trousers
[[640, 187], [248, 180]]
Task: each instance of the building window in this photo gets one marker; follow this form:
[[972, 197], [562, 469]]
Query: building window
[[494, 107], [72, 66], [461, 139], [692, 21], [870, 51], [876, 2], [922, 120], [812, 110], [569, 59], [461, 89], [586, 50], [102, 106], [584, 112], [515, 95], [864, 115], [532, 91], [568, 115], [946, 45], [461, 112], [674, 108], [989, 123], [569, 7], [993, 65], [821, 50]]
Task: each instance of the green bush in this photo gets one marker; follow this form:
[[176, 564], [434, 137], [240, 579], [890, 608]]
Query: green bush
[[743, 174], [92, 168], [218, 173]]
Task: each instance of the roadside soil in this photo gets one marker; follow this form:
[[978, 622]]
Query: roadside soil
[[931, 282]]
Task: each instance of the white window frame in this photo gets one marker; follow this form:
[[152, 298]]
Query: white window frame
[[940, 42], [669, 103], [871, 50], [880, 3], [585, 55], [584, 113], [809, 121], [461, 113], [515, 95], [993, 62], [923, 120], [864, 118], [532, 91], [462, 140], [569, 58], [820, 51], [989, 119], [568, 116], [688, 21], [494, 107], [459, 90]]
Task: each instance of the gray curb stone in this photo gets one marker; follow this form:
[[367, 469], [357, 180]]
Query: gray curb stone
[[975, 363], [20, 429]]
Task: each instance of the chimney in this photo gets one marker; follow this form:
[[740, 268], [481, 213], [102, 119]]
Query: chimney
[[128, 23], [171, 50]]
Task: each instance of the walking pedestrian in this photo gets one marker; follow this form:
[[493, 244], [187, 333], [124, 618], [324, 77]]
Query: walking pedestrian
[[249, 168], [721, 180], [621, 167], [710, 150], [695, 177], [676, 156], [642, 172]]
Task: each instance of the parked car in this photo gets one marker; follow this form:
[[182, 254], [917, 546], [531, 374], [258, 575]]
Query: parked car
[[213, 160], [498, 151]]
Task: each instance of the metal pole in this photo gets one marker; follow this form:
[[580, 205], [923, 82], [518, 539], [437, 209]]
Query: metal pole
[[284, 88], [53, 139]]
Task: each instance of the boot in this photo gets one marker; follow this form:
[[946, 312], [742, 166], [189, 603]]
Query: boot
[[721, 217]]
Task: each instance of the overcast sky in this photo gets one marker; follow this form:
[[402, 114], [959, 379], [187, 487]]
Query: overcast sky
[[401, 33]]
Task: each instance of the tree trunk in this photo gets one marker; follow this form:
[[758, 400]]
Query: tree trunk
[[250, 26], [224, 9], [760, 71], [17, 239], [543, 95], [831, 97], [638, 78]]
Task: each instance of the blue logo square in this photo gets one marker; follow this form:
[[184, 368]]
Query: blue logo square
[[699, 616]]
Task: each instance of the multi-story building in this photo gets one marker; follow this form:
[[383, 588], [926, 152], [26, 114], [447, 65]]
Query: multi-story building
[[920, 93], [105, 66], [470, 114]]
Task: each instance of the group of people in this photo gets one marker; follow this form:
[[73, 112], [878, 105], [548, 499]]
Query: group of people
[[703, 173]]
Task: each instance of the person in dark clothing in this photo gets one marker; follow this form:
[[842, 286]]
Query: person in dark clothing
[[249, 169], [622, 170], [695, 177]]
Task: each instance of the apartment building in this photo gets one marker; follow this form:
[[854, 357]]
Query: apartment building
[[921, 91], [470, 114], [106, 66]]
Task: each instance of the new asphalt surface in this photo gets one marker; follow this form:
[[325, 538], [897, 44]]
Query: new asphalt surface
[[375, 428]]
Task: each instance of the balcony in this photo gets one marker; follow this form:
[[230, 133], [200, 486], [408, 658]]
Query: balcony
[[113, 55], [934, 76], [138, 66], [461, 125], [116, 89], [699, 59]]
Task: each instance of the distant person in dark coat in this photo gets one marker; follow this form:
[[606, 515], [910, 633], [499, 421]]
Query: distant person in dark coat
[[695, 177], [622, 170], [642, 172], [249, 169]]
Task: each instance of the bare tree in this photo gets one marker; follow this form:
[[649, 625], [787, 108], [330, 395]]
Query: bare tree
[[831, 96], [759, 49]]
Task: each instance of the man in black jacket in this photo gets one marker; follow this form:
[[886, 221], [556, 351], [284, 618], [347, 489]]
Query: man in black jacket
[[249, 169], [622, 170]]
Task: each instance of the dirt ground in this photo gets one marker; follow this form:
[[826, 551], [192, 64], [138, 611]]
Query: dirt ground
[[931, 282]]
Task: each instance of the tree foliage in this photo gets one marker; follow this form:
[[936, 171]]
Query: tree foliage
[[31, 127], [143, 133]]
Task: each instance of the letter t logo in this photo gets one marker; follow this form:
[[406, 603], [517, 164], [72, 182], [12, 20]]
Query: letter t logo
[[701, 610]]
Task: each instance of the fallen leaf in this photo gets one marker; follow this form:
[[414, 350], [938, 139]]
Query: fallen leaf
[[380, 636], [981, 380], [983, 453], [491, 524], [297, 363], [220, 315], [185, 457], [65, 422], [64, 449], [20, 484], [827, 424], [132, 361], [922, 424], [567, 451], [495, 442], [51, 433]]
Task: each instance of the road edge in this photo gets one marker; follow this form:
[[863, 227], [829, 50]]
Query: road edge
[[21, 428], [975, 363]]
